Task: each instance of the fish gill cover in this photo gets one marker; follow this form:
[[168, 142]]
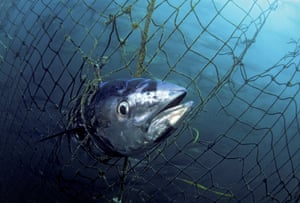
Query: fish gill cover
[[239, 144]]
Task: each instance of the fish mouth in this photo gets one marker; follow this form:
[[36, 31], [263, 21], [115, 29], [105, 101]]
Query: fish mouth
[[180, 94], [170, 116]]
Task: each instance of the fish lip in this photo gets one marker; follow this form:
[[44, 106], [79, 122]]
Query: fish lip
[[167, 119], [174, 102], [175, 108]]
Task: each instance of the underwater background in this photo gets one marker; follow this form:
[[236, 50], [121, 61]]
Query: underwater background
[[239, 61]]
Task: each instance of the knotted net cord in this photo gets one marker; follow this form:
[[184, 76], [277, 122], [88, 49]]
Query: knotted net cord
[[240, 144]]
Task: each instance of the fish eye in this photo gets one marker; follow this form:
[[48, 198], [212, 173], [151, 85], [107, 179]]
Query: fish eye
[[123, 108]]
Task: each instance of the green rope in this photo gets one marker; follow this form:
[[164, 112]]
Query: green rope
[[202, 187], [142, 52]]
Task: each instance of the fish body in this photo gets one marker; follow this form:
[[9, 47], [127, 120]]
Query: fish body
[[127, 117]]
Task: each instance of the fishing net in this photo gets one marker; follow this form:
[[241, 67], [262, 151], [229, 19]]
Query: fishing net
[[240, 143]]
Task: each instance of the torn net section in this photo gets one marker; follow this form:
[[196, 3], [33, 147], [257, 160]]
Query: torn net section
[[240, 143]]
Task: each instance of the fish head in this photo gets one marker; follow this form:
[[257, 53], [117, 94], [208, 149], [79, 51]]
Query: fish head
[[134, 115]]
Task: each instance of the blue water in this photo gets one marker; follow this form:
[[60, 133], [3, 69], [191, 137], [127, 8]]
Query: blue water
[[238, 60]]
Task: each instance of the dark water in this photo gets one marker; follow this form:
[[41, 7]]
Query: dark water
[[239, 62]]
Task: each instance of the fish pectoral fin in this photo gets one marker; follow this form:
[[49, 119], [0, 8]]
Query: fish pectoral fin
[[78, 130]]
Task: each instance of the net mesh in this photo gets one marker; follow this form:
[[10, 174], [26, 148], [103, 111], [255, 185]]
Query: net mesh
[[238, 145]]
